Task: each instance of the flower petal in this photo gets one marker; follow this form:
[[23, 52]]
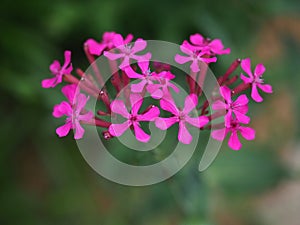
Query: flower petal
[[242, 118], [139, 87], [169, 105], [118, 129], [118, 107], [79, 131], [165, 123], [219, 105], [246, 66], [247, 133], [86, 117], [113, 56], [197, 39], [190, 103], [246, 80], [259, 70], [136, 102], [195, 66], [150, 115], [64, 108], [226, 94], [199, 122], [182, 59], [94, 47], [139, 45], [234, 141], [55, 67], [254, 93], [64, 129], [265, 88], [69, 91], [184, 135], [50, 83], [219, 134], [140, 134]]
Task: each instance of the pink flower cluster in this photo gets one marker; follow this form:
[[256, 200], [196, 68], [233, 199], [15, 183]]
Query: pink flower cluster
[[139, 76]]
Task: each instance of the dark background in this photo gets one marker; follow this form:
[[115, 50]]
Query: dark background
[[45, 180]]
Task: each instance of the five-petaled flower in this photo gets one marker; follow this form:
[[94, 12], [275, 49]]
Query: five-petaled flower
[[194, 55], [127, 51], [96, 48], [58, 71], [211, 47], [239, 107], [74, 110], [133, 119], [181, 117], [233, 128], [255, 79]]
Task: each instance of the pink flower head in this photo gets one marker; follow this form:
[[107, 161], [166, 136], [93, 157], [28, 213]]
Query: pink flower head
[[211, 47], [128, 51], [235, 127], [162, 89], [181, 117], [146, 78], [74, 110], [96, 48], [255, 79], [133, 119], [194, 55], [58, 71], [239, 107]]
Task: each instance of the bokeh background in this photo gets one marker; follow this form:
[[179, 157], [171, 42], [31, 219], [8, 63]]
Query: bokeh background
[[45, 180]]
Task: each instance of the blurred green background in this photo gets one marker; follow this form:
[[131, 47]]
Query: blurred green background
[[45, 180]]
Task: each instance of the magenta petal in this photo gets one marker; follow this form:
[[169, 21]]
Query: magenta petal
[[184, 135], [118, 129], [86, 117], [182, 59], [136, 102], [139, 45], [242, 118], [265, 88], [197, 39], [81, 101], [255, 95], [67, 57], [128, 39], [165, 123], [64, 129], [241, 100], [228, 118], [54, 67], [234, 141], [169, 106], [139, 87], [125, 63], [259, 70], [199, 122], [140, 134], [247, 133], [118, 40], [219, 134], [246, 66], [195, 66], [49, 83], [69, 91], [64, 108], [79, 131], [219, 105], [94, 47], [113, 56], [190, 103], [209, 60], [187, 48], [144, 66], [118, 107], [246, 80], [131, 73], [150, 115], [226, 94]]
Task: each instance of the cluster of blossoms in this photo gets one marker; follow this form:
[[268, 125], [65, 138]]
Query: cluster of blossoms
[[155, 79]]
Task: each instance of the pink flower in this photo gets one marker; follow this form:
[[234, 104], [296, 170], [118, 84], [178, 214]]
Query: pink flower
[[128, 51], [162, 89], [74, 110], [181, 117], [255, 79], [235, 127], [239, 107], [146, 78], [133, 119], [211, 47], [193, 55], [96, 48], [58, 71]]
